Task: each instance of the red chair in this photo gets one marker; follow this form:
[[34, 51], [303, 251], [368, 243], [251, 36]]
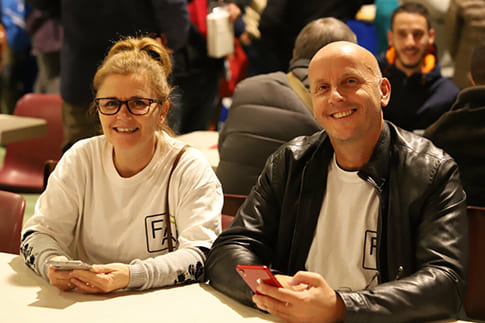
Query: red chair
[[232, 202], [23, 166], [11, 219], [474, 300]]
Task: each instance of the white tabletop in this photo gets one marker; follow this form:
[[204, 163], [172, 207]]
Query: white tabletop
[[26, 297], [14, 128], [206, 142]]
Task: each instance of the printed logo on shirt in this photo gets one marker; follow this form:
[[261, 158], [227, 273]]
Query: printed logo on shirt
[[156, 233], [370, 250]]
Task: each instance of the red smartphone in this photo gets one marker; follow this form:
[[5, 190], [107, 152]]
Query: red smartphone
[[254, 273]]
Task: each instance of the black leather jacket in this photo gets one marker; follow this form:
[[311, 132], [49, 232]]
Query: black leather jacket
[[422, 226]]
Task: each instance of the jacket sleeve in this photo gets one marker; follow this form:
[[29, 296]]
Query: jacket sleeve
[[245, 241], [173, 21], [434, 290]]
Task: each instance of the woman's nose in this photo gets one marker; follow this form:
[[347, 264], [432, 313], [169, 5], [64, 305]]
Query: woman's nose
[[124, 112]]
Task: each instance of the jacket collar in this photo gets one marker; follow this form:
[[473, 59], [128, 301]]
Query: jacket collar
[[429, 59], [472, 97], [429, 74], [377, 169], [299, 67]]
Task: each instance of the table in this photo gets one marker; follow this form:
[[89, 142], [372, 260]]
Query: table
[[206, 142], [26, 297], [14, 128]]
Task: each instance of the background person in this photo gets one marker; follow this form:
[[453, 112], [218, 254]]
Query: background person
[[268, 111], [420, 94], [465, 28], [461, 131], [280, 23], [90, 28], [105, 202], [370, 218]]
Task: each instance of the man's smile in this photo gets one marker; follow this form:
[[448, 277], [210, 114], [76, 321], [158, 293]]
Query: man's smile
[[339, 115]]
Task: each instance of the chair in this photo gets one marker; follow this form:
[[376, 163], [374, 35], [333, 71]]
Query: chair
[[49, 166], [23, 167], [11, 219], [474, 301], [232, 202]]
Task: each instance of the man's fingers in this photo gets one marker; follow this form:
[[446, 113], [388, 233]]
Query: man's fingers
[[273, 306], [307, 278]]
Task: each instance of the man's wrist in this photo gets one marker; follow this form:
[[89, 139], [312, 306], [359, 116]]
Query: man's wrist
[[339, 309]]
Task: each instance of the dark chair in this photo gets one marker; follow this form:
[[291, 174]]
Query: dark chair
[[474, 297], [49, 166], [23, 166], [232, 203], [11, 219]]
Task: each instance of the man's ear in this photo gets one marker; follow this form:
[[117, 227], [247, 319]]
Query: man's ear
[[389, 37], [385, 89], [470, 77], [431, 34]]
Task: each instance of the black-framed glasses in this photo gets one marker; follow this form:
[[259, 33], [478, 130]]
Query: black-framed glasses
[[136, 106]]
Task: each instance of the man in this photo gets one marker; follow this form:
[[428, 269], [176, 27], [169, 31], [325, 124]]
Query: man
[[461, 131], [19, 70], [269, 110], [280, 23], [465, 28], [420, 94], [374, 214], [90, 28]]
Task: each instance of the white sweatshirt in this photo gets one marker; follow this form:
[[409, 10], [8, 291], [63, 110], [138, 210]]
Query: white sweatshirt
[[90, 212]]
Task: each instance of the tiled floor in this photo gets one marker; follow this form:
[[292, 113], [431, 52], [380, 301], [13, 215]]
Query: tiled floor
[[30, 199]]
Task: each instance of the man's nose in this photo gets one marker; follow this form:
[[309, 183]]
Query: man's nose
[[335, 96], [409, 40]]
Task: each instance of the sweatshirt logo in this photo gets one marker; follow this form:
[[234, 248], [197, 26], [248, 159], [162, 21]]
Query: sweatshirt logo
[[370, 250], [156, 233]]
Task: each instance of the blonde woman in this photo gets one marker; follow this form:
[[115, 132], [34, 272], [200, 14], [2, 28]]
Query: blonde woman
[[107, 200]]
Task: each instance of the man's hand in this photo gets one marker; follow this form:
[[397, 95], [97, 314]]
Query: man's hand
[[315, 303], [234, 12], [101, 278]]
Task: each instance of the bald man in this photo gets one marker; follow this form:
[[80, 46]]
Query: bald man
[[366, 220]]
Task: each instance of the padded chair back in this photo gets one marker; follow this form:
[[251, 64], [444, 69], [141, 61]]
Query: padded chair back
[[474, 298], [23, 167], [11, 219], [232, 202], [49, 166]]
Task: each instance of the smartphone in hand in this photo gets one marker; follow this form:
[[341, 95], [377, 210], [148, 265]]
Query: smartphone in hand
[[67, 265], [253, 274]]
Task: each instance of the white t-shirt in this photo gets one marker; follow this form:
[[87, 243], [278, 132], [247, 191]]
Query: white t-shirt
[[343, 250], [98, 216]]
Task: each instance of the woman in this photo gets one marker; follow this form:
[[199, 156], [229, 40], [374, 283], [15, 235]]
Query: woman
[[105, 203]]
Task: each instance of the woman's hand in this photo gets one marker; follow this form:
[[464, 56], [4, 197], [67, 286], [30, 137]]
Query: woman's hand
[[59, 278], [101, 278]]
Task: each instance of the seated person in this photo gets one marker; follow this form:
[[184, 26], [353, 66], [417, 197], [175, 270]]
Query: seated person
[[107, 201], [420, 94], [461, 131], [267, 111], [368, 219]]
